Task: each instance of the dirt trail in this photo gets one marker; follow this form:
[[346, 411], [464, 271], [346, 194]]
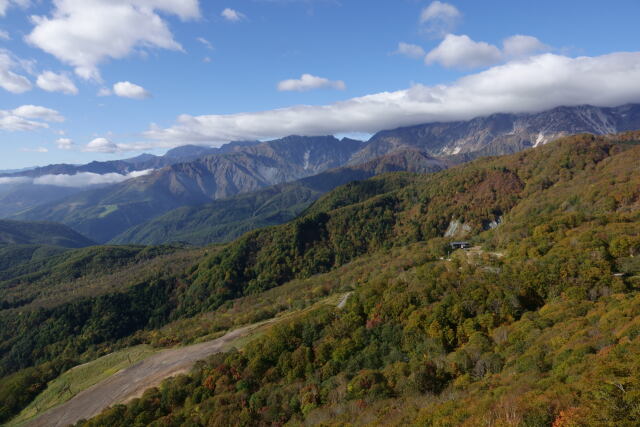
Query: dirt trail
[[133, 381]]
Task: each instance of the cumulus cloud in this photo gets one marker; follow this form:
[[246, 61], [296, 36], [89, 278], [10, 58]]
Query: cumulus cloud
[[521, 45], [28, 117], [52, 82], [101, 145], [10, 80], [5, 4], [85, 33], [462, 52], [534, 84], [38, 112], [232, 15], [130, 90], [4, 35], [440, 18], [85, 179], [410, 50], [64, 143], [309, 82]]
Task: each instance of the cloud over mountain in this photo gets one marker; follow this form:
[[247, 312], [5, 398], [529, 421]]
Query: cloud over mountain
[[526, 85], [78, 180]]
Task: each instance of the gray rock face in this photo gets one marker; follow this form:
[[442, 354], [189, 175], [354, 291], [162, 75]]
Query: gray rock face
[[243, 167], [105, 212], [502, 133]]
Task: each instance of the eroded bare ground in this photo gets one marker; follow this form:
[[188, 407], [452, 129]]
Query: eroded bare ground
[[133, 381]]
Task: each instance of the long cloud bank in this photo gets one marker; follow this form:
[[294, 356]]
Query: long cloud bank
[[538, 83], [81, 179]]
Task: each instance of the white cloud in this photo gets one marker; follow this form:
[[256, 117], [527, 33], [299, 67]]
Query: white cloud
[[205, 42], [64, 143], [9, 79], [28, 117], [5, 4], [101, 145], [4, 35], [14, 180], [52, 82], [309, 82], [85, 179], [130, 90], [39, 113], [521, 46], [232, 15], [440, 18], [11, 122], [462, 52], [533, 84], [35, 150], [85, 33], [410, 50], [105, 91], [80, 179]]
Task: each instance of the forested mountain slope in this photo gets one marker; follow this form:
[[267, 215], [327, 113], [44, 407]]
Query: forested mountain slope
[[227, 219], [537, 325], [542, 332], [104, 213], [181, 178], [40, 233]]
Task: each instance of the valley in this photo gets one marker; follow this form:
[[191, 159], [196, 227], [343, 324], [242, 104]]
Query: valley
[[414, 321], [292, 213]]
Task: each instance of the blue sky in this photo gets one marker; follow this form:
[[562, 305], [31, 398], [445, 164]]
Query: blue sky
[[197, 61]]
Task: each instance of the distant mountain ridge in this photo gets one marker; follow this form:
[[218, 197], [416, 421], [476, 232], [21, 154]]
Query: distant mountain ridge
[[224, 220], [499, 134], [244, 167], [142, 162], [40, 233], [104, 213]]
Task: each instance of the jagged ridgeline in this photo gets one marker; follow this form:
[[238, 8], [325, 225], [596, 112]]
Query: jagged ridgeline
[[538, 324], [227, 219]]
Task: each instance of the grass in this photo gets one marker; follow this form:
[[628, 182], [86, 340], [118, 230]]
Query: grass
[[81, 378], [84, 376]]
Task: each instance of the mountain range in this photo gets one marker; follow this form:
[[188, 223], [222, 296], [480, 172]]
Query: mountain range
[[357, 312], [191, 176], [225, 219]]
